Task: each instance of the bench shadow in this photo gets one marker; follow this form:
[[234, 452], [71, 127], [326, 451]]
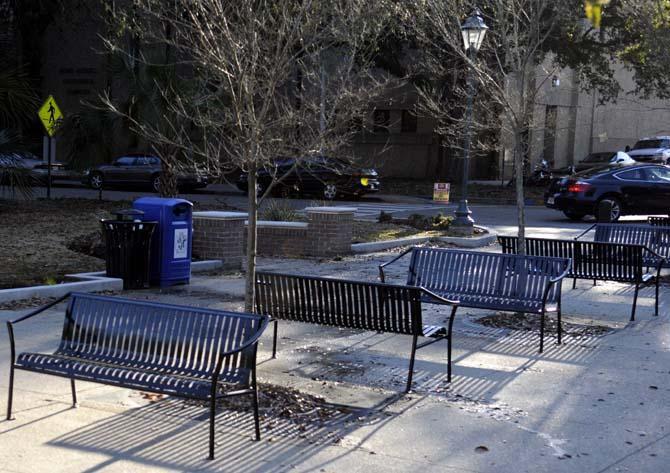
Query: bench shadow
[[173, 434], [366, 361]]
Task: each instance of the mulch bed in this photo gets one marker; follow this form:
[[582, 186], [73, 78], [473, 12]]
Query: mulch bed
[[528, 322]]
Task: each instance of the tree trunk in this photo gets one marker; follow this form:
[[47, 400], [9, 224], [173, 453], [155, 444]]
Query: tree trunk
[[249, 293], [168, 178], [520, 204]]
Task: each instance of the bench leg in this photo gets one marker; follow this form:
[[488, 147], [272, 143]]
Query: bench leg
[[411, 364], [74, 393], [449, 359], [560, 323], [594, 282], [274, 340], [10, 396], [574, 283], [212, 415], [542, 332], [656, 302], [632, 314], [257, 424]]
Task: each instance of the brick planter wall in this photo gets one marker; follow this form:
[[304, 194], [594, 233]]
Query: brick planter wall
[[222, 235], [219, 235], [281, 238], [331, 230]]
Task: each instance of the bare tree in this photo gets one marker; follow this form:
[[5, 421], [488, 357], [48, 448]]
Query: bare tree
[[511, 72], [258, 79]]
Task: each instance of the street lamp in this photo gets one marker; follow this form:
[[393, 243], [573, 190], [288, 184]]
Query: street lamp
[[473, 30]]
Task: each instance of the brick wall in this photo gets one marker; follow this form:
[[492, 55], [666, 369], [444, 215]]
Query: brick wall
[[219, 235], [222, 235], [331, 230]]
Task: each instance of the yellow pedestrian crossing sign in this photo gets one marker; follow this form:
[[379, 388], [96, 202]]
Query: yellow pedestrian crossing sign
[[50, 116]]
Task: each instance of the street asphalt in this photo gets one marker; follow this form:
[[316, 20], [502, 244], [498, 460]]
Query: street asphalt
[[501, 218]]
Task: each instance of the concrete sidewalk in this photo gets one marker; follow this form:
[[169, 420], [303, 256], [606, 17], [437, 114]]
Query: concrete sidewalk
[[593, 404]]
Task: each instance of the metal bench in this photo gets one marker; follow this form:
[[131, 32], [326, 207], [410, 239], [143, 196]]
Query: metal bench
[[596, 261], [659, 221], [654, 237], [489, 281], [352, 304], [180, 351]]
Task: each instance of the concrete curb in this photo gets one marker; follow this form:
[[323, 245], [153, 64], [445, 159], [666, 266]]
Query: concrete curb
[[86, 282], [476, 242], [384, 245]]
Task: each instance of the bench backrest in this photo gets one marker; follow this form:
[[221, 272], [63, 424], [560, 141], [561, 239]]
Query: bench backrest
[[590, 260], [654, 237], [341, 303], [177, 339], [659, 221], [447, 271]]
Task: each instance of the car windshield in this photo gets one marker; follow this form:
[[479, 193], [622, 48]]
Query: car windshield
[[125, 161], [647, 144], [598, 158]]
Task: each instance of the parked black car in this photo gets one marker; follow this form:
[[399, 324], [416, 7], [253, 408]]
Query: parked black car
[[137, 169], [324, 177], [632, 190]]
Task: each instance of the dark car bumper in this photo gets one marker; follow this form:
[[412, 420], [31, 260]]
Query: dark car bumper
[[570, 203]]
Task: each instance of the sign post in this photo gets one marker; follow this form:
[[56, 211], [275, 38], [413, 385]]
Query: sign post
[[441, 192], [51, 117]]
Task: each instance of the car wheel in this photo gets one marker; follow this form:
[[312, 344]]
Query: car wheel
[[329, 191], [156, 183], [575, 216], [616, 208], [96, 181]]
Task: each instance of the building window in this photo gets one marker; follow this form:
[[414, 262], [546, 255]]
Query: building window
[[381, 121], [408, 122]]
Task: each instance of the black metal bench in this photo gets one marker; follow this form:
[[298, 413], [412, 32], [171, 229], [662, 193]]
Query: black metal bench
[[659, 221], [654, 237], [596, 261], [351, 304], [180, 351], [489, 281]]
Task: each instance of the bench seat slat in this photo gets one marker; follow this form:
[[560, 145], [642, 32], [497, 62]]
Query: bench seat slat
[[127, 377]]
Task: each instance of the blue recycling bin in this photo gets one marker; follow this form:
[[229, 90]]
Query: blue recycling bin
[[171, 244]]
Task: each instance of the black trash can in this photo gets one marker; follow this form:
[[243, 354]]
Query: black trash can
[[127, 247]]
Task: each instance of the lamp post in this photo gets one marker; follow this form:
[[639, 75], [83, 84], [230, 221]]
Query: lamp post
[[473, 30]]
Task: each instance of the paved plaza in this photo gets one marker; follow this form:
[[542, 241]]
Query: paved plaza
[[596, 403]]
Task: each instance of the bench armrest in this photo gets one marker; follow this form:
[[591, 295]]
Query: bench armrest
[[39, 310], [553, 281], [444, 300], [251, 342], [661, 261], [586, 231], [10, 324], [563, 275], [383, 265]]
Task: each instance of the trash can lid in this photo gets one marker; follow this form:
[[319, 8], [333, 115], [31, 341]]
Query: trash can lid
[[128, 214], [160, 202]]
